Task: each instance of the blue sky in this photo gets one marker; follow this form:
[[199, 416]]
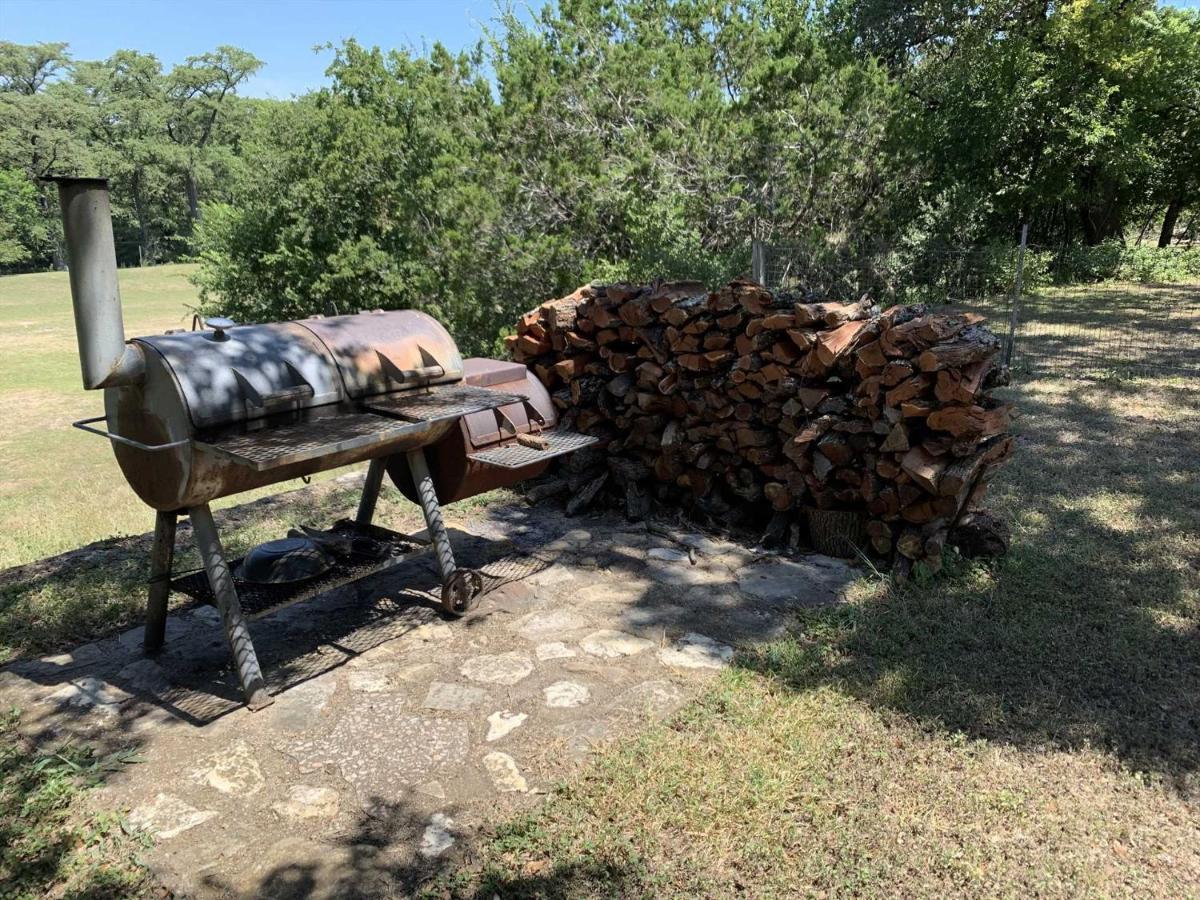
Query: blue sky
[[281, 33]]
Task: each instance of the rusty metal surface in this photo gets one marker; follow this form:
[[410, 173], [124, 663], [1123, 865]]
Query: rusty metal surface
[[248, 372], [455, 475], [440, 402], [378, 352], [285, 445], [514, 455]]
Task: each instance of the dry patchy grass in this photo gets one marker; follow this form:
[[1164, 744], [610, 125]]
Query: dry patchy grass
[[1027, 727]]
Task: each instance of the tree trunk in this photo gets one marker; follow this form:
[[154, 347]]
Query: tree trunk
[[139, 211], [193, 197], [1091, 234], [1169, 220]]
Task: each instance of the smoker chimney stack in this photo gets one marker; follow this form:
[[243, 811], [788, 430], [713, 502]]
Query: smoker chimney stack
[[105, 358]]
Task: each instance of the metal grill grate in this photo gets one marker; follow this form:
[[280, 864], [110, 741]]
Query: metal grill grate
[[283, 445], [440, 402], [514, 455], [258, 600]]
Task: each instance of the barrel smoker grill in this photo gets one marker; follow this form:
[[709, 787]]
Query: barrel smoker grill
[[195, 416]]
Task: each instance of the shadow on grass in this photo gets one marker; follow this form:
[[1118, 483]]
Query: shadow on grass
[[1086, 634], [51, 843], [364, 862]]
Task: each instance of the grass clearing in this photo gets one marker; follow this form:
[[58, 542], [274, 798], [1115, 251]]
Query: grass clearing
[[51, 845], [1025, 727]]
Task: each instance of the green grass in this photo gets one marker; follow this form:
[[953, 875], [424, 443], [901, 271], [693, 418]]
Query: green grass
[[51, 845], [60, 488], [1029, 727]]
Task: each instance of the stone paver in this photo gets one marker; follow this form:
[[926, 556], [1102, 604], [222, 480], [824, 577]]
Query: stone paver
[[391, 753], [437, 838], [502, 668], [166, 816], [609, 643], [553, 650], [695, 651], [567, 694], [305, 802], [502, 723], [506, 777]]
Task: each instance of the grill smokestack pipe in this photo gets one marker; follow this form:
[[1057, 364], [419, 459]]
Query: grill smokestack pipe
[[105, 359]]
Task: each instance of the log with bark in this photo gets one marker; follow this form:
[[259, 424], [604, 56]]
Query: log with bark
[[745, 406]]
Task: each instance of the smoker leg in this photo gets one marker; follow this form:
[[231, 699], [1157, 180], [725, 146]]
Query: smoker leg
[[433, 512], [460, 587], [370, 494], [238, 635], [161, 558]]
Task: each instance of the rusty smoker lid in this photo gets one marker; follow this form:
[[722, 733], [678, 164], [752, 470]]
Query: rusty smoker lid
[[232, 374], [379, 352]]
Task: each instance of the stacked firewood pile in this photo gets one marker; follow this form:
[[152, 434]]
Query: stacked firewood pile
[[748, 406]]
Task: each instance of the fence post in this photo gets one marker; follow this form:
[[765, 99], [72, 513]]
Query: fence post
[[758, 261], [1016, 299]]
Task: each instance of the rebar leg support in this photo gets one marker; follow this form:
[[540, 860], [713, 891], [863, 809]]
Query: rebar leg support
[[161, 557], [238, 635], [433, 513], [370, 494]]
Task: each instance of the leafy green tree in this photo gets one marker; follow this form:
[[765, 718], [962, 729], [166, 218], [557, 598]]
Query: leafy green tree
[[26, 68], [200, 91], [127, 97], [23, 231]]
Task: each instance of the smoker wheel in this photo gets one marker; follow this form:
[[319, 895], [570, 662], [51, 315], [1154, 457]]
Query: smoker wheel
[[461, 591]]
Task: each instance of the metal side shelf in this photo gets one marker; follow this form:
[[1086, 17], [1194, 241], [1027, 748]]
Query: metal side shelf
[[439, 402], [283, 445], [514, 455]]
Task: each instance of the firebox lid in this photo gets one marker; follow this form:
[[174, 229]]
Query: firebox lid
[[532, 413], [248, 372]]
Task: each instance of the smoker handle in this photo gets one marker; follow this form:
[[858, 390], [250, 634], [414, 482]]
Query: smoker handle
[[418, 373], [85, 425]]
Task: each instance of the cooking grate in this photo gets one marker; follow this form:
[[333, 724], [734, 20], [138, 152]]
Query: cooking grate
[[283, 445], [515, 455], [440, 402]]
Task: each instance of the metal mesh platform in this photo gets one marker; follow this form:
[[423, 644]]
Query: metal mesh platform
[[258, 600], [440, 402], [514, 455], [283, 445]]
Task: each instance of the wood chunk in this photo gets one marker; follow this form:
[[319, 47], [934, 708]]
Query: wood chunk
[[973, 421], [906, 390], [832, 344], [923, 467], [897, 440], [803, 339]]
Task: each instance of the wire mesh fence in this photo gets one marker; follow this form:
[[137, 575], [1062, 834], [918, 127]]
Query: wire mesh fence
[[1090, 330]]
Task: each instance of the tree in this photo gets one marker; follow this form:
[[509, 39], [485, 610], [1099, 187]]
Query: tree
[[127, 97], [26, 68], [200, 91], [23, 231]]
